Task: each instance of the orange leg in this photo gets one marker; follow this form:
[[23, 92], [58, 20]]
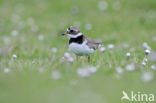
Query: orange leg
[[88, 59]]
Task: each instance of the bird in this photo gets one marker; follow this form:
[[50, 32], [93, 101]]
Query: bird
[[80, 44]]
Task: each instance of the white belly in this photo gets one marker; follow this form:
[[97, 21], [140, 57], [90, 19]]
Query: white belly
[[80, 49]]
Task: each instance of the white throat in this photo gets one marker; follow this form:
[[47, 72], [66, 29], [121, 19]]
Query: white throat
[[74, 36]]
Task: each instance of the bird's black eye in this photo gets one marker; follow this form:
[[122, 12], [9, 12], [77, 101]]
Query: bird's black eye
[[71, 31]]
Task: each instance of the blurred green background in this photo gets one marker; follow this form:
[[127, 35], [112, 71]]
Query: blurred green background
[[30, 29]]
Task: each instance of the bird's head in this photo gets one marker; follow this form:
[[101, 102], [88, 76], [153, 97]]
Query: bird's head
[[72, 32]]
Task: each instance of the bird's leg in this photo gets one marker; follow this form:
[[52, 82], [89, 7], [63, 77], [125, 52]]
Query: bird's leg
[[88, 59]]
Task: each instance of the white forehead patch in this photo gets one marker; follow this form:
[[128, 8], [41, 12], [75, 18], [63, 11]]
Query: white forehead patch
[[68, 30]]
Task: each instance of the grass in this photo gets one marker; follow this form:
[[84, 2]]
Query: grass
[[124, 22]]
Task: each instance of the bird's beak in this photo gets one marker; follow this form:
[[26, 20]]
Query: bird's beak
[[65, 33]]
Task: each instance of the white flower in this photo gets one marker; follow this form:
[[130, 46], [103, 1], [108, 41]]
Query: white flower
[[14, 33], [67, 55], [92, 69], [102, 5], [147, 51], [130, 67], [153, 67], [146, 46], [56, 74], [40, 37], [144, 63], [62, 59], [86, 71], [54, 50], [6, 70], [83, 72], [14, 56], [110, 46], [70, 59], [128, 54], [88, 26], [102, 49], [147, 76], [119, 70]]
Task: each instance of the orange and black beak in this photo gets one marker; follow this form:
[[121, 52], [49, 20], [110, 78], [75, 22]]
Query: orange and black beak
[[65, 33]]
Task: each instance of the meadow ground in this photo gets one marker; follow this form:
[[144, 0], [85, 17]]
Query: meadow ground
[[36, 66]]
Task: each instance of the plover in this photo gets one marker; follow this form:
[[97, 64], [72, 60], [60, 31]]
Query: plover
[[79, 44]]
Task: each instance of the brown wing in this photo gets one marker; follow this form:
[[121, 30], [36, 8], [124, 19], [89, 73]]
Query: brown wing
[[91, 43]]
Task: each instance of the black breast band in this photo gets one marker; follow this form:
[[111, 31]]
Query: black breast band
[[78, 40]]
